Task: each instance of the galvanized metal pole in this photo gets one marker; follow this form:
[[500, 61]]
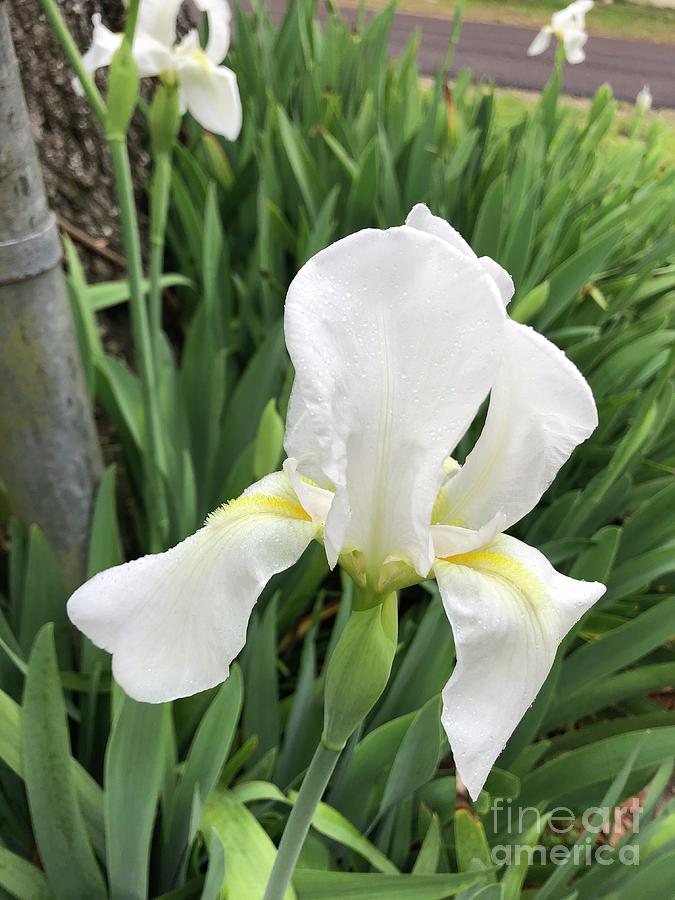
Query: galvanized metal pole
[[50, 459]]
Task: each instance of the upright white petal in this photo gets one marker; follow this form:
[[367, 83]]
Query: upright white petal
[[509, 610], [501, 277], [104, 43], [151, 56], [541, 42], [211, 94], [540, 409], [393, 335], [157, 19], [572, 16], [449, 540], [315, 500], [300, 433], [175, 621], [582, 7], [189, 45], [423, 219], [219, 15]]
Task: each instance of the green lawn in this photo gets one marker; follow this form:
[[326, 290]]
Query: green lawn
[[613, 20]]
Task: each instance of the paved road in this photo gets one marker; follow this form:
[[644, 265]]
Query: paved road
[[498, 53]]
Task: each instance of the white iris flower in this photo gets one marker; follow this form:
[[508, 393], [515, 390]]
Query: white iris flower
[[569, 27], [644, 99], [397, 337], [208, 90]]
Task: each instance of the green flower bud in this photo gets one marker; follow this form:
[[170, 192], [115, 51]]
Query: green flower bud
[[219, 164], [123, 90], [359, 669], [165, 118]]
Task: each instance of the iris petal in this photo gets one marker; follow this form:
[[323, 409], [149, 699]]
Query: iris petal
[[509, 609], [174, 621], [394, 336]]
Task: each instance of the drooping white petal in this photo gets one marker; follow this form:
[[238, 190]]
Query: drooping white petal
[[540, 409], [219, 15], [393, 336], [574, 43], [211, 94], [541, 42], [175, 621], [104, 43], [509, 610], [423, 219]]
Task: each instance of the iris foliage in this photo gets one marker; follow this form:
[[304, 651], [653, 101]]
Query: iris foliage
[[186, 799]]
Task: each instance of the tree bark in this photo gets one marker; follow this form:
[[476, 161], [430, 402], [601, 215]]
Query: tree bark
[[73, 155]]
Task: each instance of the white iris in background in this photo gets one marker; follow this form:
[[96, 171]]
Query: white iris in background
[[397, 337], [569, 27], [208, 90], [643, 101]]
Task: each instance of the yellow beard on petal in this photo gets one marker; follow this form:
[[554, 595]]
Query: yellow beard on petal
[[260, 504], [505, 568]]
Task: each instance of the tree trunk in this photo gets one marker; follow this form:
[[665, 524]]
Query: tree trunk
[[74, 159], [49, 454]]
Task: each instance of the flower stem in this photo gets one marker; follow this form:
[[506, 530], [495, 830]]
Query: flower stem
[[159, 207], [92, 93], [143, 343], [560, 60], [318, 774], [142, 339]]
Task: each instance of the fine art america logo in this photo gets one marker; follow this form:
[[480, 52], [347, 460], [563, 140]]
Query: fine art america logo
[[598, 836]]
